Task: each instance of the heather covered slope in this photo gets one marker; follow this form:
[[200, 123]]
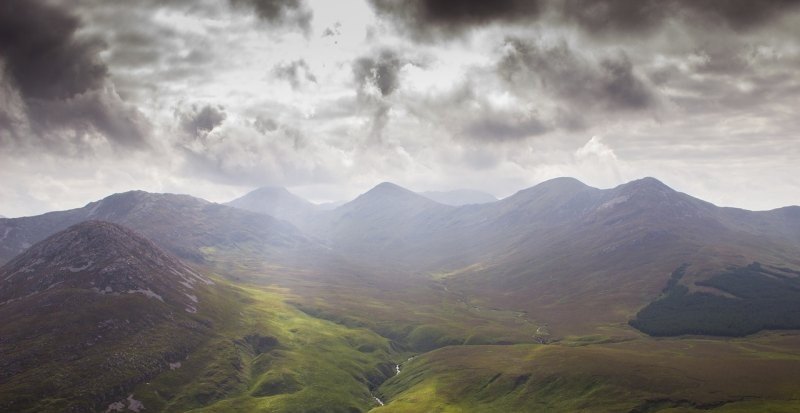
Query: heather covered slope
[[89, 313], [97, 318]]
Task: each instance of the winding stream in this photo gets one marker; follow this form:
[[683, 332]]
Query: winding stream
[[396, 372]]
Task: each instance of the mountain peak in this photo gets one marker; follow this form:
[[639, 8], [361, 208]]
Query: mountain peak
[[270, 199], [388, 187], [270, 190], [277, 202], [386, 190], [387, 196], [103, 257], [648, 182], [647, 187], [556, 187]]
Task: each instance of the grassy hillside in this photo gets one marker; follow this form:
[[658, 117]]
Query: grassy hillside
[[245, 350], [642, 375], [268, 356]]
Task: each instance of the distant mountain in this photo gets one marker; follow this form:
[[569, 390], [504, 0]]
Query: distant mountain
[[459, 197], [610, 251], [574, 255], [278, 203], [184, 225], [91, 312], [381, 223]]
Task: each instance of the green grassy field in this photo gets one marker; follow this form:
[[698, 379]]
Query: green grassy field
[[643, 375], [269, 356], [472, 357]]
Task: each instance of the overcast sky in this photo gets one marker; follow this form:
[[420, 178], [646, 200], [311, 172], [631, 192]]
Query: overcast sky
[[328, 98]]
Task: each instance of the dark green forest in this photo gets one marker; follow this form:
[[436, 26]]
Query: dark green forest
[[764, 298]]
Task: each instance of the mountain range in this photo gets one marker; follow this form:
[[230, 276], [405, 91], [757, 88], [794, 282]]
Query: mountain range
[[560, 262]]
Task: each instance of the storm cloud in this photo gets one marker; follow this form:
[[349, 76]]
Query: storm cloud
[[63, 87], [380, 71], [579, 81], [376, 78], [648, 15], [199, 121], [280, 12], [429, 19], [329, 97]]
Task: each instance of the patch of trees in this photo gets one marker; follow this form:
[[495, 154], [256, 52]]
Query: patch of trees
[[762, 299]]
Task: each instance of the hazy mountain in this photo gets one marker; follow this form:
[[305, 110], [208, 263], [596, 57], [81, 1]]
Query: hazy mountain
[[459, 197], [611, 251], [556, 261], [277, 202], [382, 223], [89, 313], [181, 224], [608, 251]]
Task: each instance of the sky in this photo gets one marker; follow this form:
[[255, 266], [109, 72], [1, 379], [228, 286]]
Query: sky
[[329, 98]]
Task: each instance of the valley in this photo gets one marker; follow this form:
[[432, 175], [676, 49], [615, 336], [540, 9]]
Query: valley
[[562, 297]]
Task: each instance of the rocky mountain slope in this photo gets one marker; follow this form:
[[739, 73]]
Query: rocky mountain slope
[[90, 312]]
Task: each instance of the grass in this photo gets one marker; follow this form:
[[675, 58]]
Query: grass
[[309, 365], [326, 342], [645, 375]]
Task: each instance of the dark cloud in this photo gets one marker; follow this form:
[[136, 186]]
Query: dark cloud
[[432, 19], [620, 15], [639, 16], [102, 111], [468, 113], [63, 86], [280, 12], [610, 83], [295, 72], [198, 122], [380, 71], [505, 127], [429, 19], [42, 54], [741, 14]]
